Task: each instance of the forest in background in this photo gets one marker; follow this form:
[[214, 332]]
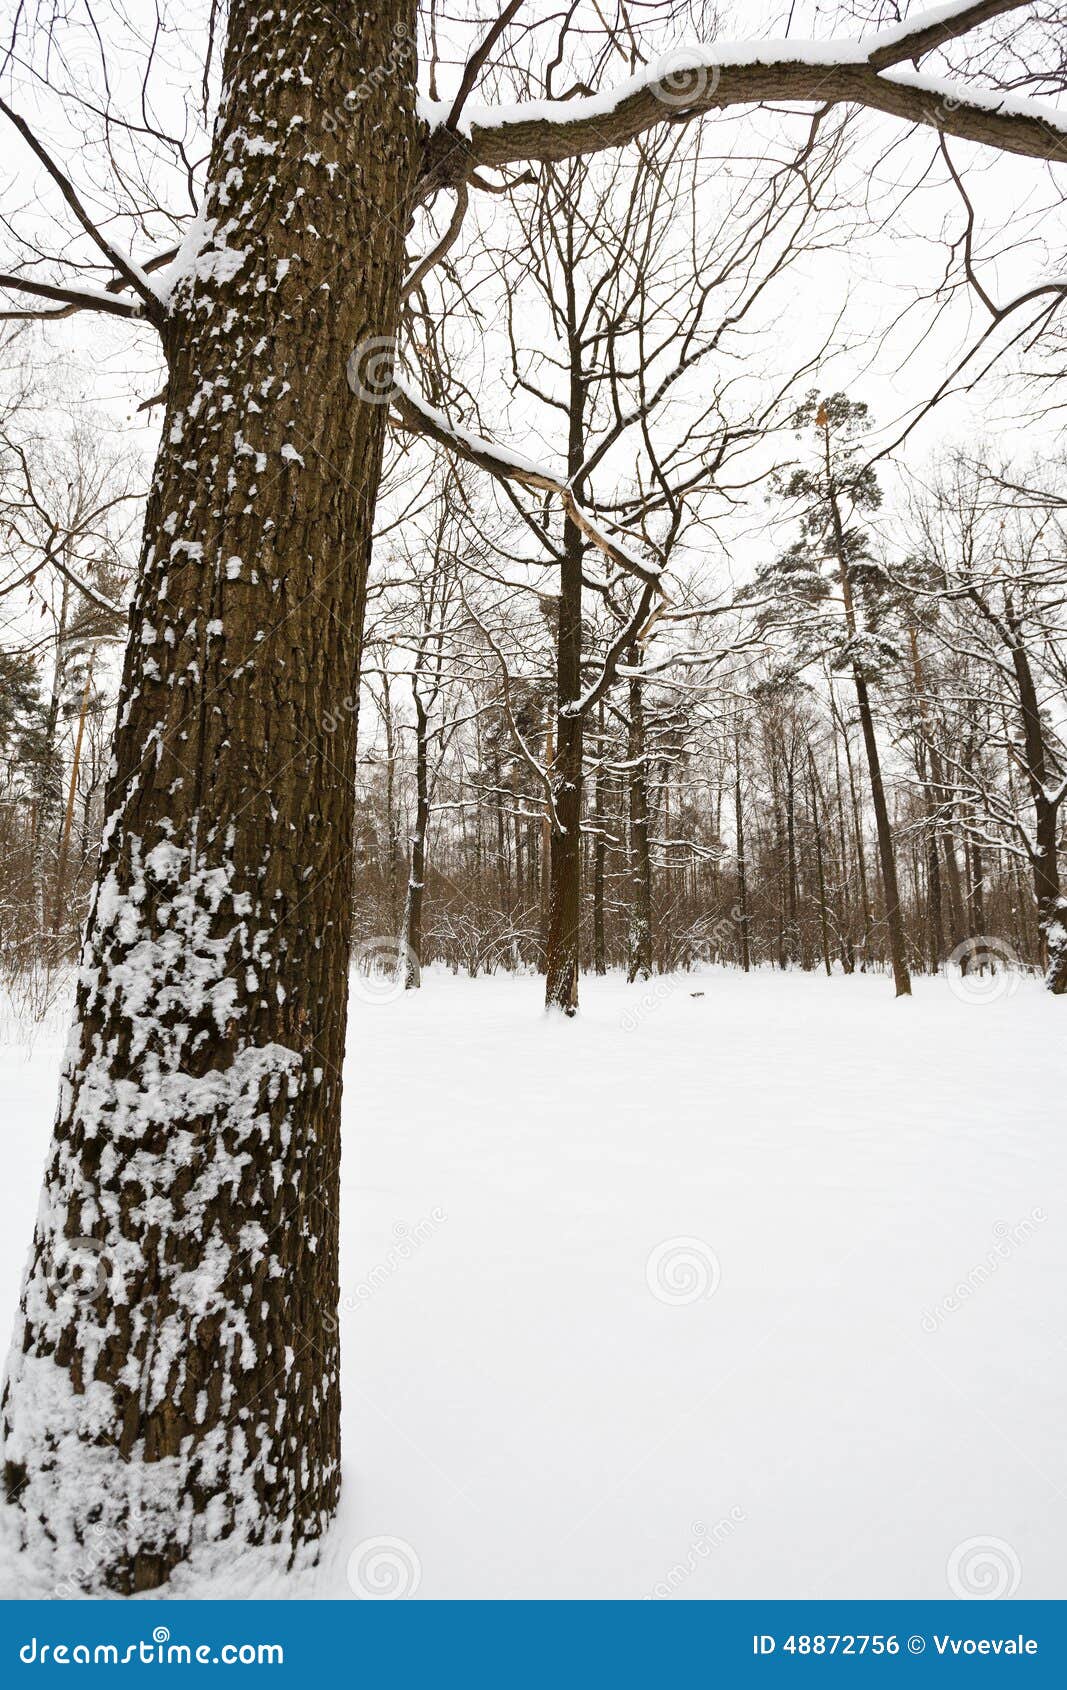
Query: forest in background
[[727, 807], [607, 512]]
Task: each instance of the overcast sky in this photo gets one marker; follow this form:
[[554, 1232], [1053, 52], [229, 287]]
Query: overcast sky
[[891, 345]]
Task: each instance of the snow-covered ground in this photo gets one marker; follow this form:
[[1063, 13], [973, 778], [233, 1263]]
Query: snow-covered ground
[[733, 1287]]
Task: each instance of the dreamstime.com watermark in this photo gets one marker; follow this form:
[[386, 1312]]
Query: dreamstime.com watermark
[[104, 1544], [656, 993], [76, 1267], [944, 111], [704, 1541], [398, 62], [1008, 1239], [157, 1651], [650, 1000], [371, 370], [409, 1240]]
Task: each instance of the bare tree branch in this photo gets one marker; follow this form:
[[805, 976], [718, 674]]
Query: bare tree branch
[[418, 417]]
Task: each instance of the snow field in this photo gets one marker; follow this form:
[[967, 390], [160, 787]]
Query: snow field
[[752, 1293]]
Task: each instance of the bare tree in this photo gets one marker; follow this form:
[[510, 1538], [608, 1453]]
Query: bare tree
[[190, 1395]]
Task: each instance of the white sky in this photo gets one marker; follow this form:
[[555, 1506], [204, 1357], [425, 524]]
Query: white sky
[[1020, 236]]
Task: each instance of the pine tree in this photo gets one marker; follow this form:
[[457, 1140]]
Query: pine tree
[[832, 597]]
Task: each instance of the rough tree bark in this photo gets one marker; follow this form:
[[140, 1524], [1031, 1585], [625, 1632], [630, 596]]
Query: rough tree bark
[[600, 965], [846, 945], [1052, 907], [886, 858], [565, 856], [742, 861], [820, 870], [173, 1383], [412, 958], [640, 931]]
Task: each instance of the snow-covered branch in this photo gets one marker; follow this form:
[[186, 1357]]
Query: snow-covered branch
[[132, 275], [419, 417], [728, 74], [67, 299]]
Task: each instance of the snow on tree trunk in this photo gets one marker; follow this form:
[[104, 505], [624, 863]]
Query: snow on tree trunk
[[172, 1391], [639, 962], [412, 947], [1054, 927], [564, 913], [600, 965]]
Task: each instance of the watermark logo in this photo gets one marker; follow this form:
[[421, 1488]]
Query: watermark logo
[[683, 1270], [649, 1001], [333, 718], [681, 79], [398, 64], [407, 1242], [983, 970], [383, 967], [1007, 1239], [983, 1568], [76, 1267], [159, 1651], [383, 1569], [704, 1541], [371, 370]]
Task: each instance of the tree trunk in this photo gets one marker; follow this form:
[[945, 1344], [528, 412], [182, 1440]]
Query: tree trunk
[[887, 861], [861, 854], [546, 836], [976, 890], [565, 894], [782, 876], [639, 966], [844, 912], [412, 959], [934, 901], [820, 871], [742, 864], [174, 1376], [795, 943], [60, 890], [935, 931], [599, 854], [47, 795], [392, 817], [886, 858], [1052, 907], [565, 891]]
